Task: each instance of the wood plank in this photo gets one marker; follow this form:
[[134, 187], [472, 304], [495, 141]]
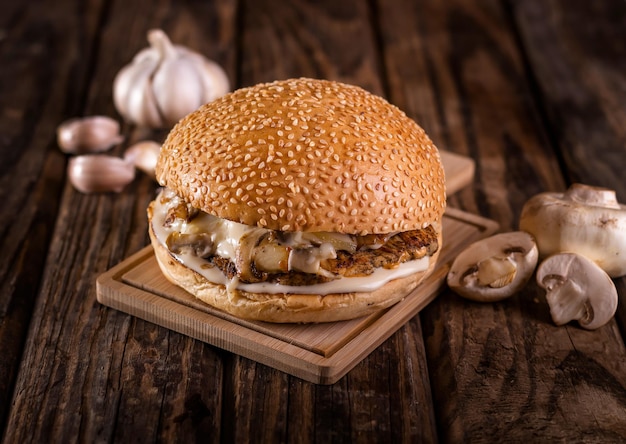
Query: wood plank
[[459, 171], [502, 371], [582, 83], [37, 50], [460, 91], [88, 373]]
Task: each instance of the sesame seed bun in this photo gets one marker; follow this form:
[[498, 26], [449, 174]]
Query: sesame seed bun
[[306, 155], [303, 155]]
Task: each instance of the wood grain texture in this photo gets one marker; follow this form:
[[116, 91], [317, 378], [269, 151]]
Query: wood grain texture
[[326, 39], [38, 49], [582, 84], [532, 90], [466, 85], [139, 387], [478, 84]]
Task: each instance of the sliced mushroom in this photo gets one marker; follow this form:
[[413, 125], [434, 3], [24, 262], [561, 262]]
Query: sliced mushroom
[[577, 289], [585, 220], [197, 244], [272, 257], [494, 268], [244, 260]]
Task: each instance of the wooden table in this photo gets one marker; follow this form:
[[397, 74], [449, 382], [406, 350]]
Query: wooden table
[[534, 91]]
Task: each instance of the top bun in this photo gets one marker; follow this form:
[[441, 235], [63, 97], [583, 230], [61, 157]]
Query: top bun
[[306, 155]]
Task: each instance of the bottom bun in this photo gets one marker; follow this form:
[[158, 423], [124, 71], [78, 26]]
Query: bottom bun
[[286, 308]]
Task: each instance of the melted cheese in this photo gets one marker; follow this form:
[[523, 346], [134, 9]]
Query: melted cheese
[[226, 236]]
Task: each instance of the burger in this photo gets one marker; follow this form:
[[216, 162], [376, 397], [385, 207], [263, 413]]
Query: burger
[[300, 200]]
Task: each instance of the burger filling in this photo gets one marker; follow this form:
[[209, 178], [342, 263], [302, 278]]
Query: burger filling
[[261, 260]]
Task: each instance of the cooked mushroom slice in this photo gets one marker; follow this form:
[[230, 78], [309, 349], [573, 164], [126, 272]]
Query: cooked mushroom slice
[[494, 268], [271, 256], [577, 289], [244, 260], [585, 220], [197, 244]]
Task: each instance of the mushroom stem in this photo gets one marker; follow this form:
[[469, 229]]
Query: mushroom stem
[[577, 289], [566, 300], [496, 272]]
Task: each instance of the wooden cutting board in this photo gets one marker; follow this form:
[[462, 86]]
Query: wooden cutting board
[[319, 353]]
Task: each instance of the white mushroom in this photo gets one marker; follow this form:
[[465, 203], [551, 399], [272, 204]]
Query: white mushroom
[[585, 220], [577, 289], [494, 268]]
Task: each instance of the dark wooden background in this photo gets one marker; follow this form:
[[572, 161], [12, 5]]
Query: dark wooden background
[[533, 90]]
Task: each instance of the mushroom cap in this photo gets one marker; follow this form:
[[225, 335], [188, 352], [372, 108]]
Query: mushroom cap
[[584, 220], [577, 289], [494, 268]]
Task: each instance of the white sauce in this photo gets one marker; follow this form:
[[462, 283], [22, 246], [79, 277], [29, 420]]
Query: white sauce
[[226, 235]]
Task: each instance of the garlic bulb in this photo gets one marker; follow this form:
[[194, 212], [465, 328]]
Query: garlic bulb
[[143, 155], [165, 82], [98, 173], [88, 134]]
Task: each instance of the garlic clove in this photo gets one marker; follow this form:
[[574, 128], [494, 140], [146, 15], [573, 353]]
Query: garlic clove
[[143, 155], [215, 83], [143, 103], [88, 134], [98, 173], [133, 94], [141, 68], [176, 102]]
